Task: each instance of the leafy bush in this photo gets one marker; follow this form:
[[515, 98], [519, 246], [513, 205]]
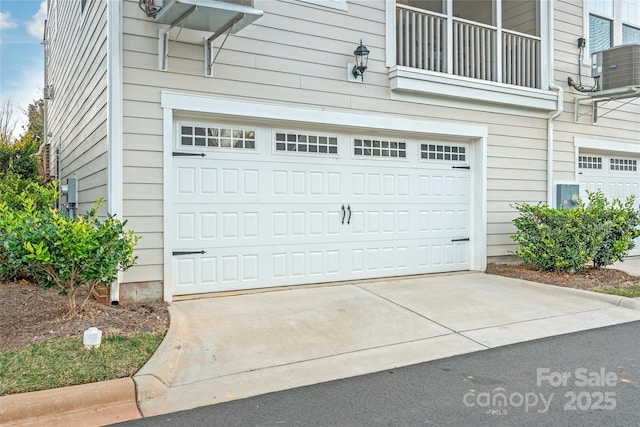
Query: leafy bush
[[621, 223], [552, 239], [566, 240], [52, 249], [15, 193], [19, 157]]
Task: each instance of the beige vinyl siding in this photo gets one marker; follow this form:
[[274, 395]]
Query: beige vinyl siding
[[297, 54], [77, 114], [520, 16]]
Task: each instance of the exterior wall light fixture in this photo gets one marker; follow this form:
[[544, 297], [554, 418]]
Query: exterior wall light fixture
[[362, 57]]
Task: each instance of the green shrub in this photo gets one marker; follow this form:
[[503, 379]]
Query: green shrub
[[69, 253], [15, 193], [50, 248], [621, 223], [16, 190], [566, 240], [19, 157], [552, 239]]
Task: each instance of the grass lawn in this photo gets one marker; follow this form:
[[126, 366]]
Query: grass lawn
[[64, 362], [628, 291]]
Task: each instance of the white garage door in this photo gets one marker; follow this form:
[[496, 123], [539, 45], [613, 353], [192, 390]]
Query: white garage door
[[259, 207], [617, 176]]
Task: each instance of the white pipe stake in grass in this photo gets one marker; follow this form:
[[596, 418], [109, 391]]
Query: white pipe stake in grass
[[92, 338]]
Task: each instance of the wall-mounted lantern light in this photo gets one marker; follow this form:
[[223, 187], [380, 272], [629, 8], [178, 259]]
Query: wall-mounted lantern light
[[362, 57]]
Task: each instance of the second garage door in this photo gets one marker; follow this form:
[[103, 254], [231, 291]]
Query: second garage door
[[616, 175], [260, 207]]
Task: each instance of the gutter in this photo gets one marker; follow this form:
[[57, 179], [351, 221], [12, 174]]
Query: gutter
[[555, 114]]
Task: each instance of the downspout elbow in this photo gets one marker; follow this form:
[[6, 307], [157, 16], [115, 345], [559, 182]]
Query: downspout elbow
[[560, 106]]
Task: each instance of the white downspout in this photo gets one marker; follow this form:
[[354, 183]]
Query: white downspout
[[555, 114], [114, 120]]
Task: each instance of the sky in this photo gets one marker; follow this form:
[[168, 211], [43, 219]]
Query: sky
[[21, 54]]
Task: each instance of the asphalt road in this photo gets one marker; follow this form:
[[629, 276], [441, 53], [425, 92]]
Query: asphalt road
[[589, 378]]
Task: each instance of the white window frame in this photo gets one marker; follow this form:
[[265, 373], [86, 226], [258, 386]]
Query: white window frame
[[211, 150], [365, 157], [617, 25], [308, 154]]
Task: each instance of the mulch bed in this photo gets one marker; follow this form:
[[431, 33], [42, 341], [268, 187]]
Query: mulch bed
[[589, 279], [30, 314]]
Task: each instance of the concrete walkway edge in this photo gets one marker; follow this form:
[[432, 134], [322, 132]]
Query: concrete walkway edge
[[100, 403]]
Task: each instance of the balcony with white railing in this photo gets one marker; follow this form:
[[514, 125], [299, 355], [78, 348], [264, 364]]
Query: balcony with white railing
[[445, 49], [469, 49]]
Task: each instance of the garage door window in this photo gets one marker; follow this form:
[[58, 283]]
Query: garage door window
[[305, 143], [200, 136], [379, 148], [455, 153], [626, 165], [589, 162]]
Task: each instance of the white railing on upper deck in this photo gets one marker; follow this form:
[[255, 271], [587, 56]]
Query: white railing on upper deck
[[474, 48], [421, 40], [520, 59], [471, 49]]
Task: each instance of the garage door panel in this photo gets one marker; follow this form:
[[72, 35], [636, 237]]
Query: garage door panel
[[443, 255], [324, 181], [245, 221], [452, 221]]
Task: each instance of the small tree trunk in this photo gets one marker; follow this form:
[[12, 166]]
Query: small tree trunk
[[90, 289], [72, 310]]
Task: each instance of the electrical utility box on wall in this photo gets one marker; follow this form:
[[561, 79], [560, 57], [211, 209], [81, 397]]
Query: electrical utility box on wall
[[567, 196]]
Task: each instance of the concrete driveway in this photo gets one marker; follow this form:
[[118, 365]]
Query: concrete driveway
[[225, 348]]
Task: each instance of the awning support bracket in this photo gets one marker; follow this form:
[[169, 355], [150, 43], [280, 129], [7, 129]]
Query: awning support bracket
[[209, 59], [163, 48], [628, 93]]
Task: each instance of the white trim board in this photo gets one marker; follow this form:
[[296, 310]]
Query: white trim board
[[599, 145], [303, 115], [286, 115], [606, 145]]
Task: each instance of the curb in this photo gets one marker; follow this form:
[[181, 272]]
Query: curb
[[160, 371], [624, 302], [100, 403]]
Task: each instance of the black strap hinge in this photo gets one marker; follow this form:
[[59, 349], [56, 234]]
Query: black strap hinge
[[462, 167], [466, 239], [179, 154], [188, 252]]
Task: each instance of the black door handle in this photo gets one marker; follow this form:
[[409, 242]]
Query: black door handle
[[349, 218]]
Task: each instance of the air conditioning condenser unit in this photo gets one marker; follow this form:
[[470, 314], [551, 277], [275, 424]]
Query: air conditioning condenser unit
[[617, 67]]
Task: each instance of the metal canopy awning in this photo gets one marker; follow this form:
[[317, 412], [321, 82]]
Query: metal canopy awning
[[206, 15], [213, 16]]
